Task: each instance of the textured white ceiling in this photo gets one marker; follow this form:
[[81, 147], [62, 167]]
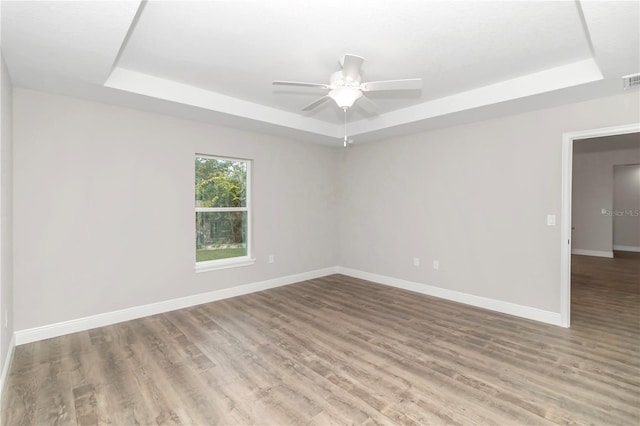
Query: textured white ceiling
[[215, 60], [63, 41], [237, 49]]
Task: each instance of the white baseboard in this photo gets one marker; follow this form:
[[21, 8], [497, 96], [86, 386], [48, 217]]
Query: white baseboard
[[109, 318], [626, 248], [528, 312], [22, 337], [7, 364], [596, 253]]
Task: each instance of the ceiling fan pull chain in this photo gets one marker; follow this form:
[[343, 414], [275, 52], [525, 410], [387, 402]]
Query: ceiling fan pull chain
[[345, 126]]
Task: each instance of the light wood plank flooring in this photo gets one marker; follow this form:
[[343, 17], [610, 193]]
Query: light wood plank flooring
[[339, 350]]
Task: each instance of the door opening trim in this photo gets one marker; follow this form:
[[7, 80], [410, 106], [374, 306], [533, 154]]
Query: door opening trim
[[565, 222]]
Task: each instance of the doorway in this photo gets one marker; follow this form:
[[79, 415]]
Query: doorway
[[568, 140], [626, 207]]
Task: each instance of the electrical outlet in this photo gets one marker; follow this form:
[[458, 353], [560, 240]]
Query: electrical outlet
[[436, 264], [416, 261], [271, 258]]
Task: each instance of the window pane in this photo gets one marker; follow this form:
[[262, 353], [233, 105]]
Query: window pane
[[220, 235], [221, 183]]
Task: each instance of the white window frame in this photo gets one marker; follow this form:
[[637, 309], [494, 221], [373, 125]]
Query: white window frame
[[232, 262]]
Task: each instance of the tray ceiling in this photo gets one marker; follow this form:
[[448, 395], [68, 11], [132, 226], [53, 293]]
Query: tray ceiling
[[215, 60]]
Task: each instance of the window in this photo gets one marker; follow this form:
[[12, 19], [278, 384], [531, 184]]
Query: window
[[223, 212]]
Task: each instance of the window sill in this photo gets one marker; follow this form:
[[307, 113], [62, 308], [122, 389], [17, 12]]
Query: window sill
[[214, 265]]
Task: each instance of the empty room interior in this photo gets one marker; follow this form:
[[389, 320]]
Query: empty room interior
[[320, 212]]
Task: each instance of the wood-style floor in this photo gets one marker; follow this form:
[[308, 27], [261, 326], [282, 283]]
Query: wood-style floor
[[339, 350]]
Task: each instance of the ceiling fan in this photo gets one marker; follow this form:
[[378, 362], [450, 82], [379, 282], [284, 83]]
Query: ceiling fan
[[346, 86]]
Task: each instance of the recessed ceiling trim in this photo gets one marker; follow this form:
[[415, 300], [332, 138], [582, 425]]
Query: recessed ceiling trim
[[581, 72], [144, 84], [574, 74]]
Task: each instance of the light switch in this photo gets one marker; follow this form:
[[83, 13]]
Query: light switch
[[551, 219]]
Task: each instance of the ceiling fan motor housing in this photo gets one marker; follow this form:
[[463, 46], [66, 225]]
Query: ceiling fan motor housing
[[339, 80]]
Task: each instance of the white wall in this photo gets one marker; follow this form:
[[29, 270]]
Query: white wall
[[592, 191], [474, 197], [104, 195], [626, 204], [6, 216], [104, 202]]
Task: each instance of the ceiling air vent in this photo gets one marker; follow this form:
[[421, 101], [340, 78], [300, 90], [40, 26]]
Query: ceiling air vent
[[630, 81]]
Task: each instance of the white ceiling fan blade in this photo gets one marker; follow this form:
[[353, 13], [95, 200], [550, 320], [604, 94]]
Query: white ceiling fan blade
[[351, 67], [299, 84], [316, 103], [406, 84], [368, 105]]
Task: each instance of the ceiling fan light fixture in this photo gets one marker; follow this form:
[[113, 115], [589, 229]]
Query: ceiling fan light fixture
[[345, 96], [346, 86]]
